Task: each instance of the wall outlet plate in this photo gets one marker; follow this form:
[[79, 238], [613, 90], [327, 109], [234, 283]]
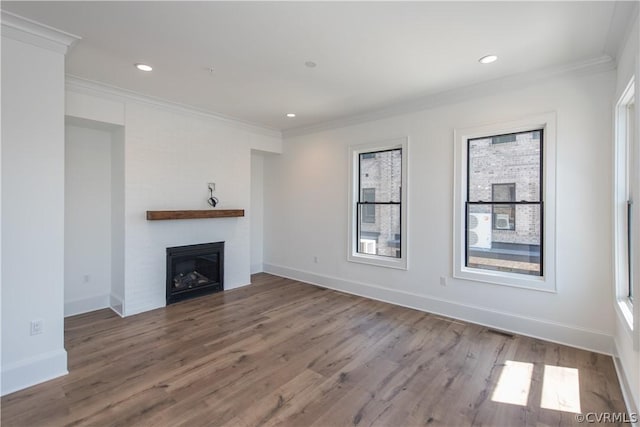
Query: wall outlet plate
[[36, 326], [211, 186]]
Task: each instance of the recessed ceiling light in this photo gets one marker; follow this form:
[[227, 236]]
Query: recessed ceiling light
[[144, 67], [310, 64], [488, 59], [291, 115]]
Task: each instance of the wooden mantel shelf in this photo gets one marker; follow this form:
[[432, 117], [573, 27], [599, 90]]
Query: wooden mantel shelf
[[197, 214]]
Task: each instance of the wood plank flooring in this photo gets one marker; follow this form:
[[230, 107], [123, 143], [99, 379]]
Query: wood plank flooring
[[280, 352]]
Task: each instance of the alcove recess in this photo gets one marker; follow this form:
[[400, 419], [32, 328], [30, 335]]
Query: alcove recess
[[194, 214]]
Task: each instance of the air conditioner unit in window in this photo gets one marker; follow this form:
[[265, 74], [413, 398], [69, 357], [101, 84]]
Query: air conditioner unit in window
[[502, 222], [367, 246], [479, 230]]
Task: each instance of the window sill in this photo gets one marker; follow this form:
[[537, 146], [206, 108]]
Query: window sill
[[379, 261], [513, 280], [626, 309]]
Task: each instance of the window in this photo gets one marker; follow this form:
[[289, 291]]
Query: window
[[520, 159], [505, 204], [369, 211], [632, 144], [381, 171], [501, 139], [378, 204], [504, 216], [632, 149], [625, 187]]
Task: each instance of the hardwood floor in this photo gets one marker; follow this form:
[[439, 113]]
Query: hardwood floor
[[281, 352]]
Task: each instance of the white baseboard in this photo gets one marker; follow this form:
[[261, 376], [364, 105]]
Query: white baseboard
[[32, 371], [129, 311], [85, 305], [116, 304], [627, 392], [537, 328], [236, 286]]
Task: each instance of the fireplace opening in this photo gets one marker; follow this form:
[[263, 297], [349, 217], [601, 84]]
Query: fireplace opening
[[194, 270]]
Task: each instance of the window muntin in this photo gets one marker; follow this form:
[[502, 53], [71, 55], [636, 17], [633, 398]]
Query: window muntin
[[379, 206], [515, 160]]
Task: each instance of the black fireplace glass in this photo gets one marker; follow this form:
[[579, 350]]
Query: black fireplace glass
[[194, 270]]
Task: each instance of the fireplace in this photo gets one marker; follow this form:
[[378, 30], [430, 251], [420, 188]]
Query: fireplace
[[194, 270]]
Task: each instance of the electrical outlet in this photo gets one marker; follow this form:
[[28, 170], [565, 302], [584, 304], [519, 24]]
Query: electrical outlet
[[315, 259], [86, 278], [36, 326], [443, 281], [211, 186]]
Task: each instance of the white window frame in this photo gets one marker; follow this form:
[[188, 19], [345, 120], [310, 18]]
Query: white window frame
[[622, 163], [547, 282], [352, 250]]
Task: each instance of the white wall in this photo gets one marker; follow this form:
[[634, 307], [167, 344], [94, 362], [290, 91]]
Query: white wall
[[256, 211], [87, 268], [107, 114], [117, 220], [169, 161], [628, 357], [32, 213], [306, 212], [169, 155]]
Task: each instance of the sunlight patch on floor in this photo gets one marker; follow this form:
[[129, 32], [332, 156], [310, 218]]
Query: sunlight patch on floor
[[514, 383], [561, 389]]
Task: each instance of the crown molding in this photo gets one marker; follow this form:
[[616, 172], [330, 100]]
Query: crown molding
[[594, 65], [103, 90], [512, 82], [28, 31]]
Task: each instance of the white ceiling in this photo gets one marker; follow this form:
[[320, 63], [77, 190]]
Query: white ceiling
[[370, 54]]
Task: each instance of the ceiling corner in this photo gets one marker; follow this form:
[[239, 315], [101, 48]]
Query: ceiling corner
[[624, 16]]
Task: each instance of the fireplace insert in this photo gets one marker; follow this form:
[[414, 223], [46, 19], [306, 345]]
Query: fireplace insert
[[194, 270]]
